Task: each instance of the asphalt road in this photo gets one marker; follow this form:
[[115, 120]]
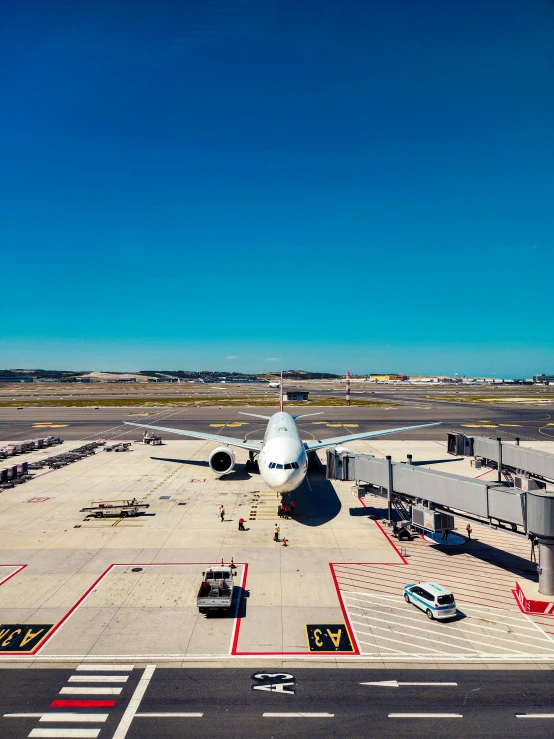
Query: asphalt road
[[79, 423], [481, 704]]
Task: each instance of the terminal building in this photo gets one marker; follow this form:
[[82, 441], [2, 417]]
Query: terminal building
[[388, 378], [544, 379]]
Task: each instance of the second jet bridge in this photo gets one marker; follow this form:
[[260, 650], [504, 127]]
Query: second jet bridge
[[533, 510]]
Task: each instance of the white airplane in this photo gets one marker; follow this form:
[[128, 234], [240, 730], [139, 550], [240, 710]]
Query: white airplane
[[282, 455]]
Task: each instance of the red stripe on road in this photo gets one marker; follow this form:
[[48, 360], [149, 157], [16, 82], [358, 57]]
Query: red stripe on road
[[82, 704]]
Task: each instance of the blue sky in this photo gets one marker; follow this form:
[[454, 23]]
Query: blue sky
[[250, 184]]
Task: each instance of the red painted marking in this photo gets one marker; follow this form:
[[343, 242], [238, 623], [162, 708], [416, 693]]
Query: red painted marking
[[344, 612], [95, 583], [393, 545], [194, 480], [237, 629], [82, 704], [13, 574]]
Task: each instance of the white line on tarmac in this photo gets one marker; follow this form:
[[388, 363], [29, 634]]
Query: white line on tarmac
[[450, 635], [298, 715], [425, 715], [379, 647], [22, 715], [134, 703], [90, 691], [403, 640], [89, 718], [168, 715], [466, 633], [64, 733], [365, 608], [539, 628], [534, 715], [98, 678], [105, 668]]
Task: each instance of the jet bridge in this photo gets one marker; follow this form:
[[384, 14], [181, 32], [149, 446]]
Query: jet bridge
[[533, 510], [509, 457]]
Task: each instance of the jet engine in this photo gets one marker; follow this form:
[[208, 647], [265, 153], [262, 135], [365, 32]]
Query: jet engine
[[222, 460]]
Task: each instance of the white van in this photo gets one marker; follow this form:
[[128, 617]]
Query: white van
[[436, 601]]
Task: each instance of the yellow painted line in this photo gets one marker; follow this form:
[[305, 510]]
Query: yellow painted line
[[514, 425], [50, 425], [479, 425], [234, 425], [350, 425]]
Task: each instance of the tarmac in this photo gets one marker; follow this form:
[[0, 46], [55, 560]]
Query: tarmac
[[124, 590], [163, 703]]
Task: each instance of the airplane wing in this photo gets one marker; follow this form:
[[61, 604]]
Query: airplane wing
[[230, 440], [318, 443]]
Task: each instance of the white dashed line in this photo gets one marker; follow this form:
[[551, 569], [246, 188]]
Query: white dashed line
[[64, 733], [90, 691], [425, 715], [105, 668], [168, 715], [298, 715], [98, 679], [88, 718]]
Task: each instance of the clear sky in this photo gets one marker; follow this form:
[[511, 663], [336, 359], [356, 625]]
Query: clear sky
[[257, 184]]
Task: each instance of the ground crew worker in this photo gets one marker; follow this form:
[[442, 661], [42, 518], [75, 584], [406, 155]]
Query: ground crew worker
[[469, 530], [276, 533], [287, 511], [222, 513], [241, 524], [292, 508]]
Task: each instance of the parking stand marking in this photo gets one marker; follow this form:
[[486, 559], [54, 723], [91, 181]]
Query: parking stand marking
[[328, 638]]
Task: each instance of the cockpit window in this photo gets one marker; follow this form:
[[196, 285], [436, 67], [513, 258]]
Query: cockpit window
[[271, 465], [288, 466], [295, 465], [279, 466]]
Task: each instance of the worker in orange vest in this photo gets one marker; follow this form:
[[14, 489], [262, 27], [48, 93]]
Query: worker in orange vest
[[469, 530]]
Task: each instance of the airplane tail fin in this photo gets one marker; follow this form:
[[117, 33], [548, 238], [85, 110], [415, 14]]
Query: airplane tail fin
[[281, 394]]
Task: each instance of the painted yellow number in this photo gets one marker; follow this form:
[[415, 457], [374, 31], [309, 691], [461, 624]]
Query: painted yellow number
[[30, 635], [10, 637], [318, 641], [335, 637]]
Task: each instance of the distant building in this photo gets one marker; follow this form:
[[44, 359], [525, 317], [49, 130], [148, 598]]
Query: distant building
[[15, 378], [297, 395], [388, 378], [544, 379]]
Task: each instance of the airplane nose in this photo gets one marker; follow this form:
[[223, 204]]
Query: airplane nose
[[281, 479]]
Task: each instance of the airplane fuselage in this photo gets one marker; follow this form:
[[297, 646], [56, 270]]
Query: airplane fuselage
[[282, 461]]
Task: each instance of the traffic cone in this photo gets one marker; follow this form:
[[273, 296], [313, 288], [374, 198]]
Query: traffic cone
[[284, 542]]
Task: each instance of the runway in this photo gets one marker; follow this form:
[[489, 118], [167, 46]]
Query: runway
[[507, 421]]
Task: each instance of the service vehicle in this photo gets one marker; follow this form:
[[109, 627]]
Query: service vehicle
[[216, 589], [119, 508], [436, 601]]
